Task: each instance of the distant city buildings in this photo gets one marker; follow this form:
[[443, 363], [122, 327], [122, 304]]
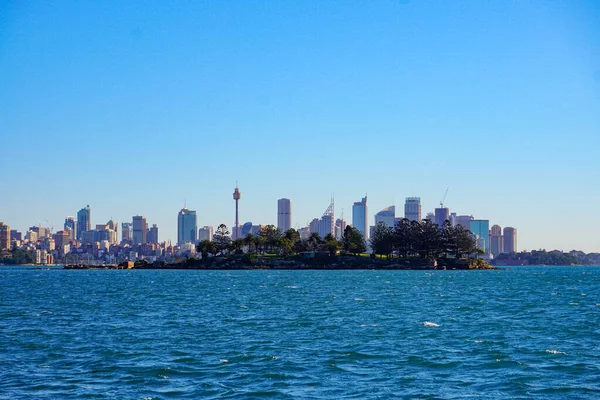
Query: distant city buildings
[[70, 226], [140, 229], [510, 239], [284, 214], [4, 236], [126, 233], [186, 226], [481, 229], [360, 217], [205, 233], [496, 240], [442, 215], [153, 234], [412, 208], [464, 221], [84, 221], [139, 241], [387, 216]]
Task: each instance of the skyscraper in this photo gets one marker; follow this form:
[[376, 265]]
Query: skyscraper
[[84, 221], [360, 217], [187, 226], [126, 233], [140, 229], [4, 236], [412, 208], [510, 239], [464, 221], [153, 234], [496, 240], [237, 195], [205, 233], [387, 216], [284, 214], [442, 215], [481, 230], [71, 227]]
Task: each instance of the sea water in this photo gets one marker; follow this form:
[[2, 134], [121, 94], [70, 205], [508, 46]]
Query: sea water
[[522, 332]]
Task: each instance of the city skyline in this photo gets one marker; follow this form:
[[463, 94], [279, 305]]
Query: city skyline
[[498, 101]]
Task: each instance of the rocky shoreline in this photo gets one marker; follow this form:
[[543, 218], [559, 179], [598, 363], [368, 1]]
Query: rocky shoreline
[[298, 263]]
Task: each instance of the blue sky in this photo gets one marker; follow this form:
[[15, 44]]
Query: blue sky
[[135, 107]]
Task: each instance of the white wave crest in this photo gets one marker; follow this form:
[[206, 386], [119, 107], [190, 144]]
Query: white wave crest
[[555, 352], [427, 323]]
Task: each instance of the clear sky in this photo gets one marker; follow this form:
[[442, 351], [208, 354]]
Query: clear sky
[[134, 107]]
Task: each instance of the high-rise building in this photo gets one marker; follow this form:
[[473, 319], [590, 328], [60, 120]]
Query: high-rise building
[[84, 221], [430, 217], [360, 217], [126, 233], [237, 195], [387, 216], [464, 221], [326, 225], [510, 239], [140, 229], [442, 215], [187, 226], [42, 232], [496, 240], [453, 219], [4, 236], [61, 239], [481, 229], [340, 227], [71, 227], [313, 227], [15, 235], [205, 233], [153, 234], [284, 214], [412, 208]]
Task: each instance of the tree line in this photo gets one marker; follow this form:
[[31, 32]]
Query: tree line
[[408, 239]]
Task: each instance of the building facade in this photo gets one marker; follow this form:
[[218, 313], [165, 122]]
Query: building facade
[[481, 229], [387, 216], [84, 221], [126, 233], [4, 236], [412, 208], [205, 233], [186, 226], [360, 217], [140, 229], [496, 240], [153, 234], [284, 214], [442, 215], [510, 239]]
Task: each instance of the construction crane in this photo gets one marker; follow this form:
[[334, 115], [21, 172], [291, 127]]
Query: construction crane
[[49, 227], [444, 198]]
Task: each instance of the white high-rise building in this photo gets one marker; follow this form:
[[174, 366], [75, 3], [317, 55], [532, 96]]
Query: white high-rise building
[[284, 214], [387, 216], [412, 208], [205, 233]]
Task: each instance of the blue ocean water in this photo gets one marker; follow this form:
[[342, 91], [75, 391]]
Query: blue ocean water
[[523, 332]]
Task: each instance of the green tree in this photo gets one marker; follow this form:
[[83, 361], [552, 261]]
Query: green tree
[[221, 238], [271, 235], [206, 247], [331, 245], [353, 241], [382, 240], [314, 240], [249, 241]]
